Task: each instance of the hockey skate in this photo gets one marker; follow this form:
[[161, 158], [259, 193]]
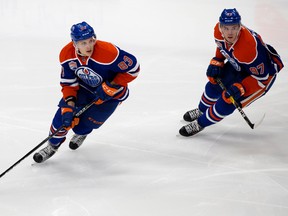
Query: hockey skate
[[45, 153], [192, 115], [76, 141], [191, 129]]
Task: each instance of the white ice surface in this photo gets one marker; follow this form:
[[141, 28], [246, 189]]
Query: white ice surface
[[136, 164]]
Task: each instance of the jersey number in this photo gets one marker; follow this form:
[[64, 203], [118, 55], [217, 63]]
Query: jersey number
[[257, 70], [127, 62]]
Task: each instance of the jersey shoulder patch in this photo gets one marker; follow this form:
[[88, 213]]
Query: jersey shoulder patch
[[105, 52]]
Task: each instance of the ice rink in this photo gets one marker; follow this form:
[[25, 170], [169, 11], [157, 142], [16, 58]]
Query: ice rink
[[136, 164]]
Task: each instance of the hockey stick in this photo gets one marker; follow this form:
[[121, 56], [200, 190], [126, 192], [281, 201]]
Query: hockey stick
[[238, 107], [49, 137]]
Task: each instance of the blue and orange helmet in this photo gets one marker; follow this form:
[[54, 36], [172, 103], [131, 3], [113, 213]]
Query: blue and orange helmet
[[230, 17], [81, 31]]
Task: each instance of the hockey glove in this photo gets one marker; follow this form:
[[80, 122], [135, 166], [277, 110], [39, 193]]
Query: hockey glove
[[68, 119], [236, 91], [214, 69], [107, 91]]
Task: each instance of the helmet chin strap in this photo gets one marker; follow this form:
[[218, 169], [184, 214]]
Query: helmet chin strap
[[79, 53], [77, 49]]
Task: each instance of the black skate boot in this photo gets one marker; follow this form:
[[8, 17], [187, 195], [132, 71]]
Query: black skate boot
[[192, 115], [45, 153], [76, 141], [191, 129]]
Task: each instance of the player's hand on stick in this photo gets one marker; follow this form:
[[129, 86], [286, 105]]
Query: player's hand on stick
[[68, 119], [236, 90]]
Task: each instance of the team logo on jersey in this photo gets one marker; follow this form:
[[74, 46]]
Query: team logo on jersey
[[72, 65], [88, 76]]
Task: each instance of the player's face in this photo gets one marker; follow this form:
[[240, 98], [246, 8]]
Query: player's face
[[230, 32], [86, 47]]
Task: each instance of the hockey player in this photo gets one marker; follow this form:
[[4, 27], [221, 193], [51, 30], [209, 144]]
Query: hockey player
[[91, 70], [246, 66]]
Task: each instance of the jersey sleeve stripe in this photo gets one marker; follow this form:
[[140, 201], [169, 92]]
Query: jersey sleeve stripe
[[68, 80], [135, 70], [261, 78]]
